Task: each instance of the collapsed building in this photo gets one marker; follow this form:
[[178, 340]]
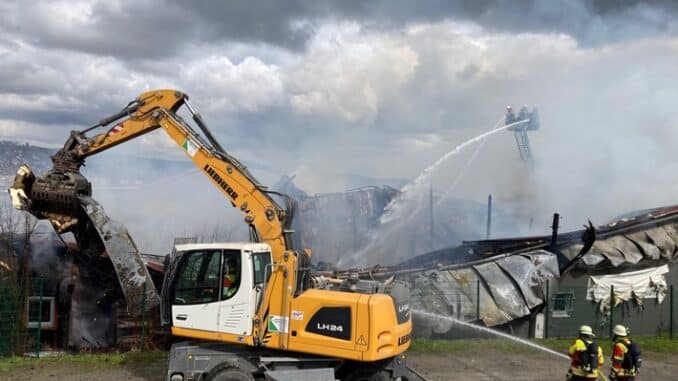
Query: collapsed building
[[337, 225], [334, 224], [74, 298], [505, 283]]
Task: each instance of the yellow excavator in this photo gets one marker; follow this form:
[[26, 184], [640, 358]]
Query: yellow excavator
[[258, 310]]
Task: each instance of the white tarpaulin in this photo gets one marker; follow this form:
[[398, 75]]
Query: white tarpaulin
[[637, 285]]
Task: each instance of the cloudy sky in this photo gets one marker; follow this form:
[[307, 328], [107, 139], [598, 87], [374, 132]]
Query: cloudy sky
[[377, 88]]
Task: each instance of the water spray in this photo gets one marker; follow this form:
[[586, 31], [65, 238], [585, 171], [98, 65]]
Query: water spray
[[391, 207], [432, 316], [397, 209]]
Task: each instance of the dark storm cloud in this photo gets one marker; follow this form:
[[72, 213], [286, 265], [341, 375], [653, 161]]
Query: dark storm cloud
[[255, 21], [153, 29], [47, 117], [590, 22]]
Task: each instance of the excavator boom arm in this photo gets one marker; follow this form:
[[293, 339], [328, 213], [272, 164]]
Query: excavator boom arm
[[158, 109]]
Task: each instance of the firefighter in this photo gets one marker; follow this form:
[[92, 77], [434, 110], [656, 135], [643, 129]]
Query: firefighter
[[586, 356], [510, 116], [626, 359], [523, 114]]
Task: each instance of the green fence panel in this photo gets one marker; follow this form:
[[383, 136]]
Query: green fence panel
[[10, 319]]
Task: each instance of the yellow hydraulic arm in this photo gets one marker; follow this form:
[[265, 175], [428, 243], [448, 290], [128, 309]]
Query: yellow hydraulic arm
[[267, 220], [371, 326], [157, 109]]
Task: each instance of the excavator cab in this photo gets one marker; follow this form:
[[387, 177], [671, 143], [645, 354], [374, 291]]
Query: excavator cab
[[216, 288]]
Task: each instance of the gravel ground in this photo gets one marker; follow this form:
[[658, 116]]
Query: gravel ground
[[488, 365], [495, 365]]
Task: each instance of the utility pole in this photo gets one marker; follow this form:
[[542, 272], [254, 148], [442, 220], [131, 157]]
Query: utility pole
[[489, 216], [554, 230], [430, 210]]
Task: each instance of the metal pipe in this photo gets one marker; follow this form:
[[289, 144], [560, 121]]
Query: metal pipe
[[554, 230], [197, 118], [143, 317], [489, 216], [671, 312], [129, 109], [430, 207], [611, 308], [37, 335]]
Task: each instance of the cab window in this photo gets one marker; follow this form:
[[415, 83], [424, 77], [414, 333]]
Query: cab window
[[260, 261], [231, 274], [198, 278]]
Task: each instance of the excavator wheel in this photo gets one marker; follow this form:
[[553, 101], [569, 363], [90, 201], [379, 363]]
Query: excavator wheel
[[368, 374], [231, 374]]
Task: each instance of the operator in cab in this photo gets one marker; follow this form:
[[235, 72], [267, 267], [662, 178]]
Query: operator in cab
[[586, 356], [231, 278]]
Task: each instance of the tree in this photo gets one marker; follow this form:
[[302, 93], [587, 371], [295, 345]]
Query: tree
[[8, 228], [16, 230]]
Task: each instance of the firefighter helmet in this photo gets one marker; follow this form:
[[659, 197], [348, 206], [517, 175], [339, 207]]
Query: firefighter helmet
[[585, 330], [620, 330]]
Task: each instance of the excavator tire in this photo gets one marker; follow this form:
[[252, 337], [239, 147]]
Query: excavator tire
[[368, 374], [231, 374]]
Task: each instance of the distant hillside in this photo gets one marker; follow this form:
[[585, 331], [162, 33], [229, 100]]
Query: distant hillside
[[12, 155], [116, 170], [125, 171]]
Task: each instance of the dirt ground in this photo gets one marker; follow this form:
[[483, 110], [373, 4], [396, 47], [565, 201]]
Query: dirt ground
[[488, 365]]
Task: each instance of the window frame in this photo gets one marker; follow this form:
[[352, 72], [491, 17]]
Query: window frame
[[264, 273], [567, 299], [182, 267], [50, 311], [239, 257]]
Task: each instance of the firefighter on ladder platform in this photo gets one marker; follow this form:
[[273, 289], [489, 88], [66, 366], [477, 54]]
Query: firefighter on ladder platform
[[510, 116], [626, 358], [530, 122], [586, 356]]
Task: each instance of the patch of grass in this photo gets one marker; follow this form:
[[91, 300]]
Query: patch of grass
[[88, 361], [658, 344]]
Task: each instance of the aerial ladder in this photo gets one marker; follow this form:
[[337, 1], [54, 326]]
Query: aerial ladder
[[522, 123]]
